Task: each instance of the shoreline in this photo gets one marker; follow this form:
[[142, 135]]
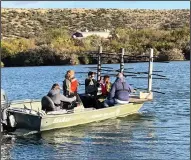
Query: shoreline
[[90, 64]]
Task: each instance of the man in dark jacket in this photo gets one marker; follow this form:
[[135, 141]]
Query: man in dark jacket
[[91, 85], [57, 97], [91, 90], [119, 93]]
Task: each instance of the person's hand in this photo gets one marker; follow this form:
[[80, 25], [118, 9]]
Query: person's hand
[[71, 91]]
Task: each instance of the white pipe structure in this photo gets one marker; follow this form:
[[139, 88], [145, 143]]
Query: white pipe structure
[[122, 60], [99, 64], [150, 71]]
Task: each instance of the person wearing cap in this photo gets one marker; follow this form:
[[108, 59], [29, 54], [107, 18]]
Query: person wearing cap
[[57, 97], [119, 93], [91, 85]]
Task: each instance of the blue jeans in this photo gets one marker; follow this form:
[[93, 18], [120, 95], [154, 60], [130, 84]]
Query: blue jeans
[[109, 102], [112, 102]]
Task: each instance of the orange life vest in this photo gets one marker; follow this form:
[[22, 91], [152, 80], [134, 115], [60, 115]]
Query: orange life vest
[[74, 85]]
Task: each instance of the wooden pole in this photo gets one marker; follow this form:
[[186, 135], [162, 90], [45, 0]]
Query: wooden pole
[[122, 60], [150, 71], [99, 64]]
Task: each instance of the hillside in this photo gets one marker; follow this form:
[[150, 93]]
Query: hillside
[[35, 37], [28, 23]]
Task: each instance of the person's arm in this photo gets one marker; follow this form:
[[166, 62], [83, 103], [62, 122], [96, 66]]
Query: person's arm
[[87, 81], [68, 85], [130, 88], [66, 99], [96, 84], [112, 91], [64, 87]]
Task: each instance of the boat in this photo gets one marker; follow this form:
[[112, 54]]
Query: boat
[[28, 114]]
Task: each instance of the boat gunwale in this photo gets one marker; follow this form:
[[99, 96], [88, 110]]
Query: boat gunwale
[[76, 113], [98, 110]]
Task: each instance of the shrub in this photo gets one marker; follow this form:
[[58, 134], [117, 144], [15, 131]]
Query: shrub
[[13, 46], [186, 50], [172, 55]]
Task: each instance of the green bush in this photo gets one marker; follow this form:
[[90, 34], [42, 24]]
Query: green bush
[[57, 47], [172, 55]]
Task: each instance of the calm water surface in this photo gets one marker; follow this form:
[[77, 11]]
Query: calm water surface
[[161, 131]]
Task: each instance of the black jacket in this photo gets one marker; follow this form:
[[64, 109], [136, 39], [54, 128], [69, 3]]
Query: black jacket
[[91, 88]]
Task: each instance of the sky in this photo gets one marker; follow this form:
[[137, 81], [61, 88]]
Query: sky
[[98, 4]]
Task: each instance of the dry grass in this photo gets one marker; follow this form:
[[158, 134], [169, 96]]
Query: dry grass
[[29, 23]]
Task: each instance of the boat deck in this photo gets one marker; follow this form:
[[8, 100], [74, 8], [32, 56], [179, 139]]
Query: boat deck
[[135, 99]]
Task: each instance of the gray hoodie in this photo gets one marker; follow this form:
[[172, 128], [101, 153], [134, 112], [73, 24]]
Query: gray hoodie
[[57, 97]]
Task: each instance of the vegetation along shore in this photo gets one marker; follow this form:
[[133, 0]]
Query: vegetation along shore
[[35, 37]]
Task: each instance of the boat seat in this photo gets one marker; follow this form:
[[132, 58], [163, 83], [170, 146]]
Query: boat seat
[[47, 104]]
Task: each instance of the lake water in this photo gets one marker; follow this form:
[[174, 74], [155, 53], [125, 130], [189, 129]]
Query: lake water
[[161, 130]]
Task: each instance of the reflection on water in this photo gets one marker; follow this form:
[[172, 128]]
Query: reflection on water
[[86, 140], [160, 131], [7, 144]]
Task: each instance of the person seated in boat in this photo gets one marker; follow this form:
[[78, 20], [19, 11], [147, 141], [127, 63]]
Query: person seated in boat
[[58, 98], [91, 85], [119, 93], [70, 85], [91, 91], [105, 86]]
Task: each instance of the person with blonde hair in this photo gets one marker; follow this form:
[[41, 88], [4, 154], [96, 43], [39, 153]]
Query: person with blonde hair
[[70, 85], [68, 89]]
